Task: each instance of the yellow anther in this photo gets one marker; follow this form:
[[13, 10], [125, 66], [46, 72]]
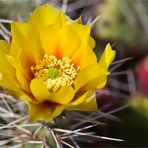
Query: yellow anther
[[54, 72]]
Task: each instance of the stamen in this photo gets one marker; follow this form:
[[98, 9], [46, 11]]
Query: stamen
[[54, 72]]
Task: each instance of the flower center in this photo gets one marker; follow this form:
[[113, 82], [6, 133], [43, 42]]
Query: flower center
[[54, 72]]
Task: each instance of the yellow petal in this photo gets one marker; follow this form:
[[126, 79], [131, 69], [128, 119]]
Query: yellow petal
[[18, 39], [85, 51], [41, 93], [91, 42], [50, 35], [95, 76], [43, 16], [28, 42], [107, 57], [60, 40], [24, 82], [7, 72], [22, 79], [84, 102], [59, 108], [26, 50], [69, 41], [83, 31], [89, 104], [90, 77], [41, 111], [4, 47], [82, 55]]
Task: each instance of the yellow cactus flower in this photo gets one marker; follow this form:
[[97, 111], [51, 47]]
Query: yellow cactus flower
[[50, 64]]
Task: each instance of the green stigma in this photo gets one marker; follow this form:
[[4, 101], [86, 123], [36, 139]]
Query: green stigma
[[53, 73]]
